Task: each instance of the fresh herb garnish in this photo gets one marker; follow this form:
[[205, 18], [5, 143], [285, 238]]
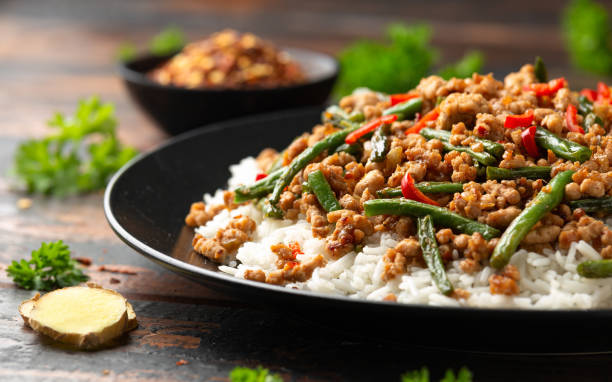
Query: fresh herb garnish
[[80, 157], [398, 65], [49, 268], [245, 374], [588, 36], [168, 41], [126, 51], [470, 63], [463, 375]]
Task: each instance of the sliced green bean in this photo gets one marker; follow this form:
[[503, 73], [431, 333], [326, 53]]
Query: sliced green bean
[[533, 172], [593, 205], [595, 269], [590, 120], [322, 190], [354, 149], [380, 143], [482, 157], [335, 114], [405, 110], [441, 216], [491, 147], [539, 70], [258, 189], [585, 106], [542, 204], [562, 147], [431, 255], [330, 142]]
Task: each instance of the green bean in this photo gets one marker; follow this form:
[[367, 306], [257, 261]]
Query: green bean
[[381, 143], [595, 269], [431, 255], [258, 189], [354, 149], [335, 114], [482, 157], [542, 204], [562, 147], [426, 187], [593, 205], [540, 70], [491, 147], [533, 172], [441, 216], [405, 110], [319, 186], [330, 142]]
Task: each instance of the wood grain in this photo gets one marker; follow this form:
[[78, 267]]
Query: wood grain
[[54, 52]]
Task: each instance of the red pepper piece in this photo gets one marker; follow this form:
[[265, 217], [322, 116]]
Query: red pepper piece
[[410, 191], [260, 176], [590, 94], [295, 249], [403, 97], [520, 120], [546, 89], [603, 92], [529, 143], [571, 119], [368, 127], [422, 123]]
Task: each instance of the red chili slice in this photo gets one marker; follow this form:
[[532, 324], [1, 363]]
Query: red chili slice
[[590, 94], [520, 120], [546, 89], [422, 123], [410, 191], [528, 137], [403, 97], [260, 176], [368, 127], [603, 92], [571, 119]]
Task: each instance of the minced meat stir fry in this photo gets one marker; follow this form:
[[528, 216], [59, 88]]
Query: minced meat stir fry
[[470, 169]]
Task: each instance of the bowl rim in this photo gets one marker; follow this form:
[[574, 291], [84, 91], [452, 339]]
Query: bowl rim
[[128, 74]]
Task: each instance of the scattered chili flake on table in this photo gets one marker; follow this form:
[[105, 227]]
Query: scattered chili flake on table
[[181, 362], [116, 269], [84, 260]]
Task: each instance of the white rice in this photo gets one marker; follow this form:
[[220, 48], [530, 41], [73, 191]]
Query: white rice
[[548, 280]]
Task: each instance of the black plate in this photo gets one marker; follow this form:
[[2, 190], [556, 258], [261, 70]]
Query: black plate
[[145, 204], [180, 109]]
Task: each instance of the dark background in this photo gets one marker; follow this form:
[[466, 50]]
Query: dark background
[[54, 52]]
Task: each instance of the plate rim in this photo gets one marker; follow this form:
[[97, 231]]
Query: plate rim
[[219, 277]]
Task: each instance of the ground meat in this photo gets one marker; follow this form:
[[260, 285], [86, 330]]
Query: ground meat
[[554, 122], [291, 272], [589, 229], [284, 253], [199, 214], [223, 246], [461, 107], [372, 181], [359, 100], [349, 202], [265, 158], [506, 283], [489, 127], [351, 228], [406, 253], [315, 215], [462, 165], [515, 82], [502, 218], [485, 85], [403, 226], [562, 99], [469, 265], [512, 160], [542, 234], [295, 148]]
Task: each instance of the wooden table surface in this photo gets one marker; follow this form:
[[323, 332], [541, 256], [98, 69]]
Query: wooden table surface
[[55, 52]]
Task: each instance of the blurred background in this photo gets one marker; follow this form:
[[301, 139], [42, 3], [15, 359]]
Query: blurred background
[[54, 52]]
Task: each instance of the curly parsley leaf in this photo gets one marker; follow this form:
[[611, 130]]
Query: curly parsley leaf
[[588, 36], [50, 267], [79, 157], [245, 374], [469, 64], [168, 41], [391, 67]]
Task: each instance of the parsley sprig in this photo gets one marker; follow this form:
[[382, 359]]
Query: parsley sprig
[[80, 157], [463, 375], [397, 65], [245, 374], [49, 268]]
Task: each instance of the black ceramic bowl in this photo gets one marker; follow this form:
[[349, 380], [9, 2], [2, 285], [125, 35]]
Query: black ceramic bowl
[[180, 109]]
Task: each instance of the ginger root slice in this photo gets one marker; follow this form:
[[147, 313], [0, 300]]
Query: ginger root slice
[[84, 316]]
